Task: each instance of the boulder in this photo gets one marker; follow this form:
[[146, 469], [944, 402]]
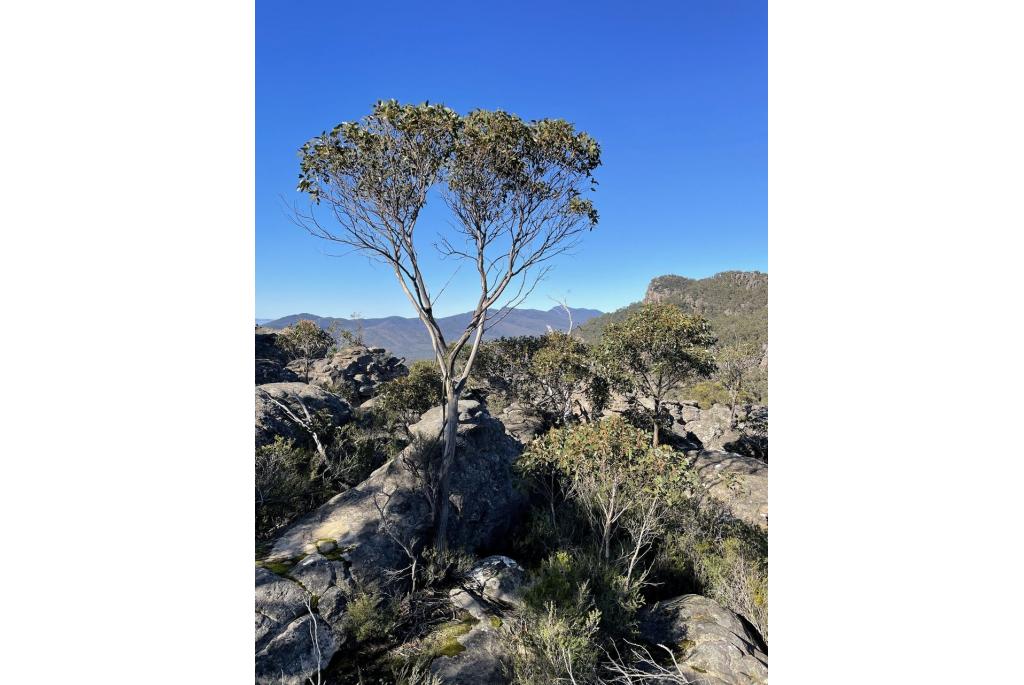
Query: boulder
[[271, 361], [497, 579], [480, 660], [288, 609], [745, 433], [297, 653], [738, 482], [278, 602], [712, 427], [711, 644], [354, 367], [272, 420], [521, 423], [485, 503]]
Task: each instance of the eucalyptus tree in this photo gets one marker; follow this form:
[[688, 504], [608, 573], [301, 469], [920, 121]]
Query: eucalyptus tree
[[305, 341], [735, 363], [515, 191], [653, 351]]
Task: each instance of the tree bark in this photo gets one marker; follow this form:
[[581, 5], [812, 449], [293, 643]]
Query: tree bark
[[449, 433], [657, 418]]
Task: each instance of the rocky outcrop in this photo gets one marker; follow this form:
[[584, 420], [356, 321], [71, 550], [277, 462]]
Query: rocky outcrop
[[493, 581], [712, 645], [365, 521], [738, 482], [271, 360], [497, 579], [273, 420], [521, 423], [357, 371], [299, 620], [478, 662]]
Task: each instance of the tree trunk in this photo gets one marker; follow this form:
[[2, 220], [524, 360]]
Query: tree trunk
[[449, 433], [657, 418]]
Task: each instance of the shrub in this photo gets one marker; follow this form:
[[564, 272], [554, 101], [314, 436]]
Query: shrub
[[283, 484], [552, 373], [564, 577], [305, 341], [417, 392], [612, 473], [551, 644], [726, 559], [370, 616]]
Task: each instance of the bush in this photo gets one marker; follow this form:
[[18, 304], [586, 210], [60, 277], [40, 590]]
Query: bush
[[292, 478], [612, 474], [709, 393], [564, 577], [370, 616], [551, 373], [550, 644], [725, 559], [284, 487], [417, 392]]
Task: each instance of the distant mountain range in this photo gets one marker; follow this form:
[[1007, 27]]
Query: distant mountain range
[[406, 337]]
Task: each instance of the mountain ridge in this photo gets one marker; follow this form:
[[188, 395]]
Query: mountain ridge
[[406, 336]]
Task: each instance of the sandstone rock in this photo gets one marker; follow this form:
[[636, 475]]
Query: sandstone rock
[[430, 423], [711, 643], [356, 367], [331, 607], [521, 423], [296, 653], [271, 420], [713, 427], [271, 361], [269, 371], [316, 574], [288, 650], [740, 483], [497, 578], [485, 502], [480, 661], [278, 602]]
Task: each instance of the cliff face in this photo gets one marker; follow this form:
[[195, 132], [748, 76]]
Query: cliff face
[[736, 303], [724, 293]]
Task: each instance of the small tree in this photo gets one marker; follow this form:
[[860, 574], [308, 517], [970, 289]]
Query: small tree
[[653, 351], [505, 364], [305, 341], [515, 192], [623, 484], [417, 392], [735, 362]]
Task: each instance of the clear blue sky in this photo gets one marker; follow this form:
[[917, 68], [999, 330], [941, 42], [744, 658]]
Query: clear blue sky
[[675, 92]]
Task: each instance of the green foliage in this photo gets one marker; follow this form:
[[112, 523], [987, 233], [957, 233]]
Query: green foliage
[[397, 149], [417, 392], [305, 341], [604, 462], [284, 484], [653, 351], [565, 576], [606, 481], [550, 373], [370, 616], [547, 645], [709, 393], [725, 559], [293, 479], [505, 364]]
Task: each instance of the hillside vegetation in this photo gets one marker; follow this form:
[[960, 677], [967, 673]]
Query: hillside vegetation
[[736, 305]]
